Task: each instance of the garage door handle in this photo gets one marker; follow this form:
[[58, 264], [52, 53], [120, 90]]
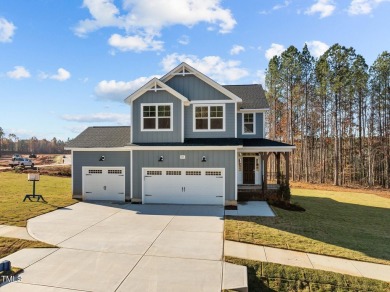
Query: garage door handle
[[104, 188]]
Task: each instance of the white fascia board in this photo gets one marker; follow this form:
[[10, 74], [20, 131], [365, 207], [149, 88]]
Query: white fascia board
[[153, 82], [154, 148], [202, 77], [268, 149], [263, 110], [127, 148], [203, 101]]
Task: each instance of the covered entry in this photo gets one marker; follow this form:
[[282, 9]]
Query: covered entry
[[183, 186], [104, 183]]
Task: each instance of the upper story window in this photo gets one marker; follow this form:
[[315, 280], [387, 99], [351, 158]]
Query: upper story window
[[209, 117], [156, 117], [248, 123]]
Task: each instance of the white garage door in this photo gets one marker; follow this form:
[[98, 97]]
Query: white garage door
[[104, 183], [183, 186]]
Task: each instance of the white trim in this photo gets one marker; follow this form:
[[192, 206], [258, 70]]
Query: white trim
[[152, 84], [184, 66], [182, 122], [253, 110], [208, 118], [156, 117], [131, 175], [235, 121], [212, 101], [235, 175], [268, 149], [223, 170], [132, 122], [243, 126]]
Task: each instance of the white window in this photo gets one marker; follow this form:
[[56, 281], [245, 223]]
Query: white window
[[209, 118], [248, 123], [156, 117]]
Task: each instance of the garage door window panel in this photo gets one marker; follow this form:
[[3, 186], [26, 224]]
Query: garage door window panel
[[157, 117]]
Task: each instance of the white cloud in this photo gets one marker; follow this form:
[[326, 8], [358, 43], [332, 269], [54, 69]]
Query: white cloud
[[282, 5], [119, 119], [7, 30], [358, 7], [236, 49], [119, 90], [317, 48], [144, 20], [260, 74], [222, 71], [274, 50], [324, 7], [61, 75], [135, 43], [184, 40], [19, 72]]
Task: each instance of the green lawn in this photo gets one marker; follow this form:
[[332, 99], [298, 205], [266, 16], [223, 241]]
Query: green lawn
[[11, 245], [342, 224], [275, 277], [13, 187]]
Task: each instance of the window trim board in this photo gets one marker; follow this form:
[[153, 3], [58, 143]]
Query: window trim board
[[208, 105], [156, 129]]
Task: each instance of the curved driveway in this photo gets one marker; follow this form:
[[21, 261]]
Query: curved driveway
[[124, 247]]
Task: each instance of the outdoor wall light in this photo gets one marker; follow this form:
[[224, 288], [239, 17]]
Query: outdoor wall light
[[161, 158], [257, 162], [204, 159], [102, 158], [239, 161]]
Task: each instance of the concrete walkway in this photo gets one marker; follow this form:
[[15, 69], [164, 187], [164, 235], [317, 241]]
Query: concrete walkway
[[15, 232], [306, 260]]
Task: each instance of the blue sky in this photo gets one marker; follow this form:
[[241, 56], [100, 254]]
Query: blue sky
[[66, 65]]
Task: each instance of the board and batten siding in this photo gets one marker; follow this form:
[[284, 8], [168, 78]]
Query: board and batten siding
[[259, 127], [91, 158], [157, 136], [215, 159], [194, 88], [229, 124]]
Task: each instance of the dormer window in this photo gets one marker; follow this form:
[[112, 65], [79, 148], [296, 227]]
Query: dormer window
[[248, 123], [209, 118], [156, 117]]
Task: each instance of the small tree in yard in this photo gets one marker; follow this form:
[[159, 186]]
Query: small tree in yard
[[284, 190]]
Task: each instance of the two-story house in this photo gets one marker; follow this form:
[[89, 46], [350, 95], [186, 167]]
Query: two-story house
[[191, 141]]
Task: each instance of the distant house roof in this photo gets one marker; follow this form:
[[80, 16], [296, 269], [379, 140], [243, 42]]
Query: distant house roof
[[252, 95], [104, 137]]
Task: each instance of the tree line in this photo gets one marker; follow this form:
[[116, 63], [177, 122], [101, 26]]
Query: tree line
[[336, 110], [12, 143]]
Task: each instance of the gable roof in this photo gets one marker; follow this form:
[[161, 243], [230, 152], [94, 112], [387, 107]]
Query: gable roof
[[252, 95], [185, 69], [155, 84], [101, 137]]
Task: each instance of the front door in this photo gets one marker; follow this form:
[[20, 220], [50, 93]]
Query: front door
[[249, 171]]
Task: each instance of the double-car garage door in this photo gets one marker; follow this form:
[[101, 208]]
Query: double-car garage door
[[183, 186], [159, 185]]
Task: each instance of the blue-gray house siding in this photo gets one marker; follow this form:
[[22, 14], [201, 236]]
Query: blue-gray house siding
[[259, 127], [157, 136], [194, 88], [91, 158]]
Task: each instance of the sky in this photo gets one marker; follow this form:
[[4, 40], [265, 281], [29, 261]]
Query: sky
[[68, 64]]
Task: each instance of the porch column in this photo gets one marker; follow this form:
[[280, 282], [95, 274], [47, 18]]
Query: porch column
[[287, 158], [264, 156], [277, 155]]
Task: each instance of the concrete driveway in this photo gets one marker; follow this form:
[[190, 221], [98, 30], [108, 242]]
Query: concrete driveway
[[124, 247]]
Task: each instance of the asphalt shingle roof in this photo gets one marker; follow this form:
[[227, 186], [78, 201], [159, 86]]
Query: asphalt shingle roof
[[199, 142], [94, 137], [252, 95], [262, 143]]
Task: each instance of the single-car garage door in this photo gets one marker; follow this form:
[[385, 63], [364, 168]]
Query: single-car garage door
[[104, 183], [183, 186]]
